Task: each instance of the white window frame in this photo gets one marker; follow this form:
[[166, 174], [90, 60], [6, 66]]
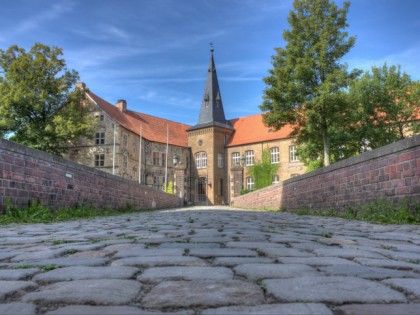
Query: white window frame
[[201, 160], [276, 179], [249, 183], [236, 159], [275, 155], [198, 160], [204, 160], [292, 154], [249, 157]]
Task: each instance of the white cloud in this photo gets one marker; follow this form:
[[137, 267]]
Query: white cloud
[[51, 13], [407, 59]]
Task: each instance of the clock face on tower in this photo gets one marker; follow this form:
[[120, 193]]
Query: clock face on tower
[[200, 143]]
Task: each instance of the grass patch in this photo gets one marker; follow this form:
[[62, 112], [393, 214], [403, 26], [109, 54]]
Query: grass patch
[[48, 267], [37, 213], [379, 211]]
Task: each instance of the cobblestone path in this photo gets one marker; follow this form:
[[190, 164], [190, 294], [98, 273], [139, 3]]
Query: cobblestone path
[[210, 261]]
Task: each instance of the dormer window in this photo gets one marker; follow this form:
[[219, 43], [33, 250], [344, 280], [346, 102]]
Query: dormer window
[[206, 100]]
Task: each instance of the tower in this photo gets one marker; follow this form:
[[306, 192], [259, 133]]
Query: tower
[[207, 140]]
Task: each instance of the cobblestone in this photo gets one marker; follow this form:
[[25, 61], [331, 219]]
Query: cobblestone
[[208, 260]]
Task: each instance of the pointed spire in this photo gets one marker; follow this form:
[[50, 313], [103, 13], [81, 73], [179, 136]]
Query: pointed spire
[[211, 111]]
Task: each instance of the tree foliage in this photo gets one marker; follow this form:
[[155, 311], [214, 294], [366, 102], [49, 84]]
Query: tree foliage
[[388, 106], [263, 172], [306, 85], [38, 107]]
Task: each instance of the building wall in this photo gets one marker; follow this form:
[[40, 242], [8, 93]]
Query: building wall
[[31, 175], [152, 173], [391, 172], [286, 169]]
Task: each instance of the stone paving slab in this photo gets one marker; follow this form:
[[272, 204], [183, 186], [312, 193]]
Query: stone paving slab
[[411, 286], [8, 288], [105, 292], [206, 260], [155, 261], [332, 290], [203, 293], [154, 275], [84, 273], [272, 309], [380, 309], [17, 274], [17, 308], [316, 261], [273, 271], [367, 272], [107, 310]]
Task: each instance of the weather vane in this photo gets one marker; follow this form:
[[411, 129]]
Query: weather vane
[[211, 46]]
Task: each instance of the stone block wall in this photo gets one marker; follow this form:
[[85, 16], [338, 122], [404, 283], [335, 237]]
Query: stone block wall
[[29, 175], [391, 172]]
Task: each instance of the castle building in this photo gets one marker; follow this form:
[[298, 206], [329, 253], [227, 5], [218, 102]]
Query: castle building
[[205, 164]]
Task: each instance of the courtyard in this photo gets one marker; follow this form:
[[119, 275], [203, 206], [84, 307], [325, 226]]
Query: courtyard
[[210, 260]]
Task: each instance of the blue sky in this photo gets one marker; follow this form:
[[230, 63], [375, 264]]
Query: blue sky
[[155, 53]]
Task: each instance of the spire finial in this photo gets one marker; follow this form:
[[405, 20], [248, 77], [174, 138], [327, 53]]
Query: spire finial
[[211, 47]]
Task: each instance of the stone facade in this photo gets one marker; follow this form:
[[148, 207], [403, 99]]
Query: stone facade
[[280, 152], [99, 153]]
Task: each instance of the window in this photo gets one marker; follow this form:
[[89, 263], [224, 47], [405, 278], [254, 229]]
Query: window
[[276, 179], [99, 160], [163, 159], [201, 160], [155, 158], [220, 160], [249, 158], [236, 159], [275, 155], [100, 138], [125, 140], [292, 153], [198, 160], [249, 183], [204, 160]]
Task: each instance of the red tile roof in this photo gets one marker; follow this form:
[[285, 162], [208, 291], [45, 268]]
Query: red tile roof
[[251, 129], [153, 128]]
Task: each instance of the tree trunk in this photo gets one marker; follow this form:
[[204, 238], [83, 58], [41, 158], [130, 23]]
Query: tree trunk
[[326, 142]]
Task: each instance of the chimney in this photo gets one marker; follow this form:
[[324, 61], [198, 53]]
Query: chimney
[[80, 85], [122, 105]]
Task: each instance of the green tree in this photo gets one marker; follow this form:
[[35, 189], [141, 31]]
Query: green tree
[[388, 103], [306, 87], [38, 106], [263, 172]]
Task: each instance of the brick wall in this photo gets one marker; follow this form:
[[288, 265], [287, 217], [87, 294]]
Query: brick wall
[[392, 171], [28, 174]]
